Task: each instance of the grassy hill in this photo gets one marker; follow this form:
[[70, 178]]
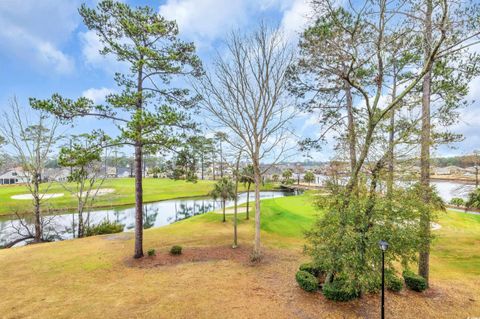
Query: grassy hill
[[96, 278]]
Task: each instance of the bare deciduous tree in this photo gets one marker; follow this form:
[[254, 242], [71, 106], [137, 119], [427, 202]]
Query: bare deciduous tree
[[246, 94], [31, 140]]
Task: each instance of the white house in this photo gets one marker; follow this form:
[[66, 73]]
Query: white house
[[449, 170], [13, 176]]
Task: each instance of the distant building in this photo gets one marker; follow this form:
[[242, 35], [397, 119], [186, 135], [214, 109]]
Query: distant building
[[111, 172], [271, 171], [55, 174], [13, 176], [449, 170]]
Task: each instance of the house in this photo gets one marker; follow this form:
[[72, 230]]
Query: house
[[13, 176], [55, 174], [270, 171], [442, 171], [449, 170], [111, 172]]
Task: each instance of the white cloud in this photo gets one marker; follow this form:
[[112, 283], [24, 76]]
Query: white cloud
[[51, 56], [295, 17], [205, 20], [91, 46], [97, 95], [34, 31]]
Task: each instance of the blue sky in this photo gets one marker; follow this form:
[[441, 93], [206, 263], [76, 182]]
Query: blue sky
[[44, 48]]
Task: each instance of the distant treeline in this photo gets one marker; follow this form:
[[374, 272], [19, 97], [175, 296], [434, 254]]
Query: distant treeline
[[460, 161]]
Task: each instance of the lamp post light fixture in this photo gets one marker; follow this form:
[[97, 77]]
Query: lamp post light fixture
[[383, 247]]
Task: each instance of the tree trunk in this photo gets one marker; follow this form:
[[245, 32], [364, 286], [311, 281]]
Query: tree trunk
[[221, 160], [391, 155], [36, 204], [391, 138], [257, 253], [73, 226], [476, 176], [235, 239], [213, 163], [352, 183], [223, 202], [80, 219], [203, 168], [248, 201], [144, 168], [352, 139], [425, 141], [138, 203], [138, 175]]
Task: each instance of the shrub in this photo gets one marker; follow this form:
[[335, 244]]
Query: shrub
[[339, 290], [456, 201], [151, 252], [306, 281], [176, 250], [392, 282], [312, 268], [414, 281], [105, 227]]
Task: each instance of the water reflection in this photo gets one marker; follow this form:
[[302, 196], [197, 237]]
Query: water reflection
[[448, 190], [155, 215]]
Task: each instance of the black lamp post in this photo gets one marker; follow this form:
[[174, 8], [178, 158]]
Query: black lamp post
[[383, 246]]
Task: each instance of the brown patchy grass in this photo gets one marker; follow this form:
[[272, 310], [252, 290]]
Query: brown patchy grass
[[194, 255], [95, 278]]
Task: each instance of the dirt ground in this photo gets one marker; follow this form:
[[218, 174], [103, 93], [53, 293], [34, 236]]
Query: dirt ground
[[269, 290]]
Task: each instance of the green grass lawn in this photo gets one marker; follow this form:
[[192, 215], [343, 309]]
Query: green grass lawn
[[455, 248], [91, 277], [153, 190]]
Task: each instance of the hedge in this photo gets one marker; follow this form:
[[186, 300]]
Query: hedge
[[306, 281], [414, 281], [338, 290]]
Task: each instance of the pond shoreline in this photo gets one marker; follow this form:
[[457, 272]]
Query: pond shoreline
[[155, 214], [63, 211]]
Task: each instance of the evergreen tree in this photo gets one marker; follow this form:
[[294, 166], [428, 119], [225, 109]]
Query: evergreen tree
[[149, 113]]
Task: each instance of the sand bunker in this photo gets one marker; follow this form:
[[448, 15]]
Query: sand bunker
[[231, 211], [30, 197], [102, 191]]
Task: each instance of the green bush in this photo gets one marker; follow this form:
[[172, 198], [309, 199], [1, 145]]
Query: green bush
[[339, 290], [306, 281], [414, 281], [176, 250], [151, 252], [456, 201], [312, 268], [392, 282], [105, 227]]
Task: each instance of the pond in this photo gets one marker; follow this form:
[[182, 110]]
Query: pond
[[155, 215], [447, 190]]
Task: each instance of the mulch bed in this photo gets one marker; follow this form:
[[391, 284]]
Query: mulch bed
[[240, 254]]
